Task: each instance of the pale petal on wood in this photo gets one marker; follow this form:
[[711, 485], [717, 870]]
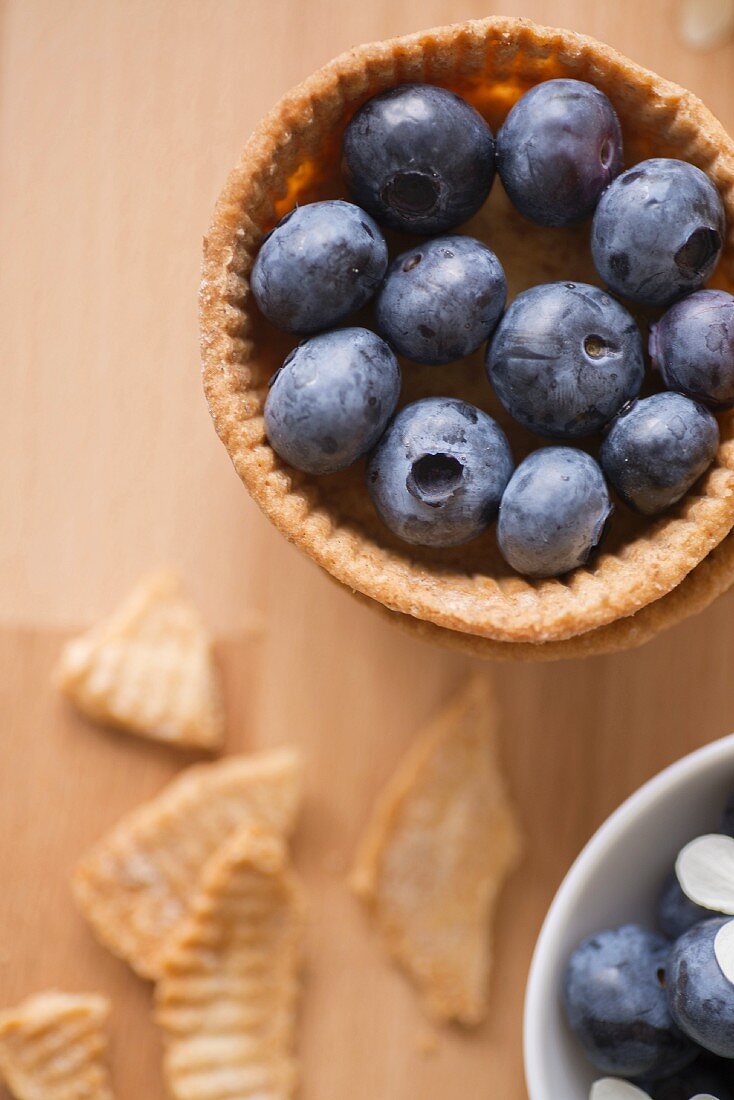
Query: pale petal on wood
[[440, 845]]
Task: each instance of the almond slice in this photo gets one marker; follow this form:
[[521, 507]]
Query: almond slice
[[229, 983], [442, 840], [148, 669], [135, 885], [612, 1088], [705, 870], [53, 1046], [724, 950]]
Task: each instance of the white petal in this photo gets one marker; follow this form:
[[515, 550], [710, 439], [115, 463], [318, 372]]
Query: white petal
[[705, 24], [703, 1096], [705, 870], [724, 950], [611, 1088]]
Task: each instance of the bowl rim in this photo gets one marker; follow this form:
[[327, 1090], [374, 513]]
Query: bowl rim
[[541, 990], [496, 608]]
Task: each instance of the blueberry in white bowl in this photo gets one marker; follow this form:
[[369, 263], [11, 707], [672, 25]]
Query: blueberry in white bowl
[[565, 358], [558, 150], [657, 448], [419, 158], [726, 825], [676, 913], [616, 1004], [553, 512], [658, 231], [437, 475], [614, 883], [322, 262], [441, 300], [701, 1081], [701, 997], [707, 1079], [692, 345], [330, 401]]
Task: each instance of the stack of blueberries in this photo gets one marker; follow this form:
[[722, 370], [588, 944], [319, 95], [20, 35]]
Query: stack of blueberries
[[654, 1007], [565, 359]]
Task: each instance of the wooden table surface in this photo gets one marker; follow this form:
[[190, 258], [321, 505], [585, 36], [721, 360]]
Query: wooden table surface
[[118, 122]]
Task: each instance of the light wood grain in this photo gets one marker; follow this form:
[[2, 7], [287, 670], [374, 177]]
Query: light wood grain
[[118, 122]]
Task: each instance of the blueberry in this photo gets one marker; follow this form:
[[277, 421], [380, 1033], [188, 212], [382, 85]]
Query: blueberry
[[553, 512], [330, 401], [319, 264], [693, 347], [701, 999], [676, 912], [565, 358], [658, 231], [657, 448], [615, 1002], [438, 473], [727, 818], [442, 299], [419, 158], [708, 1076], [559, 148]]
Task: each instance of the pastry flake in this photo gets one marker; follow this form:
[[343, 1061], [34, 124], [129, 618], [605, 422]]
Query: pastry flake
[[229, 985], [53, 1046], [135, 885], [148, 669], [442, 840]]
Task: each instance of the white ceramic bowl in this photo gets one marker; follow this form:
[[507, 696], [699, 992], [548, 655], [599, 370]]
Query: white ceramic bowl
[[614, 880]]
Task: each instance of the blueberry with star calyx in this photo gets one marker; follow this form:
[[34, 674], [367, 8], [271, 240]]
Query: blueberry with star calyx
[[437, 475], [419, 158], [658, 231], [565, 358]]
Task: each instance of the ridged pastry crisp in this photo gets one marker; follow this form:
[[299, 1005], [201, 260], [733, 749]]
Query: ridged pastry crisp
[[136, 884], [228, 992], [53, 1046], [148, 669]]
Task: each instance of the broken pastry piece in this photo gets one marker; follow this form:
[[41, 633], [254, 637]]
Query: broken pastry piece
[[441, 843], [148, 669], [136, 884], [229, 986], [54, 1047]]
